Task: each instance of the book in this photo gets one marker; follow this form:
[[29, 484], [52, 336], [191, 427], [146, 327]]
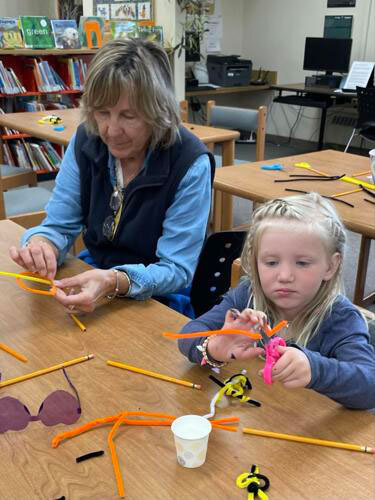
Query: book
[[37, 32], [126, 10], [151, 33], [82, 22], [10, 34], [124, 29], [65, 33]]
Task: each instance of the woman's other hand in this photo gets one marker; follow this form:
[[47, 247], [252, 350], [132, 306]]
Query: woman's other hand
[[39, 256], [82, 292], [292, 369], [231, 347]]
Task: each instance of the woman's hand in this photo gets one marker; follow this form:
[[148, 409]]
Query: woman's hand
[[231, 347], [39, 256], [82, 292], [292, 369]]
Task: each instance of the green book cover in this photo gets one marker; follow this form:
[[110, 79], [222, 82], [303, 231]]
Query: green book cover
[[37, 32]]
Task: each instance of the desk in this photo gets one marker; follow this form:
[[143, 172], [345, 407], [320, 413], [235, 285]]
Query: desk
[[314, 97], [227, 90], [252, 183], [271, 78], [28, 124], [130, 331]]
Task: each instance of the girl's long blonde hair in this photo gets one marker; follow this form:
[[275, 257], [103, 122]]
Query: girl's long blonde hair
[[319, 216]]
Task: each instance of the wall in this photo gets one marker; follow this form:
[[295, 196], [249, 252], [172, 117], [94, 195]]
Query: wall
[[15, 8], [274, 35]]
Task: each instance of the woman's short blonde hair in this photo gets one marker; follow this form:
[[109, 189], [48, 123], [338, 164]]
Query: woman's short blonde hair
[[140, 69]]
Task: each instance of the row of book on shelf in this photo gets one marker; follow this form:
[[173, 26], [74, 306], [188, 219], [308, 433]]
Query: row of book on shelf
[[46, 77], [31, 153], [39, 32]]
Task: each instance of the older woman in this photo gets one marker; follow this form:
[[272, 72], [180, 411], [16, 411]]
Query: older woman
[[136, 182]]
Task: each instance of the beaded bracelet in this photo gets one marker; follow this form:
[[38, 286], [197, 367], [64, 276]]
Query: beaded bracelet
[[207, 359]]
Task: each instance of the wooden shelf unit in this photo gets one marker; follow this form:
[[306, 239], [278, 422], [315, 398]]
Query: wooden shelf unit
[[22, 63]]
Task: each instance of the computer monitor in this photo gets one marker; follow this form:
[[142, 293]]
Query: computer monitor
[[327, 54]]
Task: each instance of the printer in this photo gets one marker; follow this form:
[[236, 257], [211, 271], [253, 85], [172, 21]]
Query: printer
[[228, 71]]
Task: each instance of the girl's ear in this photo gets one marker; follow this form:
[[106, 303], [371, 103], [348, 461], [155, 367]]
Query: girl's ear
[[333, 265]]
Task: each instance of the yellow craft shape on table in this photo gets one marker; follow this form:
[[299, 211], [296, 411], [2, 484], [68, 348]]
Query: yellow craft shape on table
[[346, 178]]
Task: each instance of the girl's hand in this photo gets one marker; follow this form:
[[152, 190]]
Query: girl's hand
[[247, 320], [231, 347], [82, 292], [39, 256], [292, 369]]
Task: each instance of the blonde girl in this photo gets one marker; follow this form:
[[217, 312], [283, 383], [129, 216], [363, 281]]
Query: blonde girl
[[293, 258]]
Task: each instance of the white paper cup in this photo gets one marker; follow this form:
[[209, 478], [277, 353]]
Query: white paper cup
[[372, 163], [191, 434]]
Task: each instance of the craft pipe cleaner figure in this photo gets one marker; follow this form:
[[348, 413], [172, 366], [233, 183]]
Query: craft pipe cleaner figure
[[255, 483], [234, 386], [270, 345]]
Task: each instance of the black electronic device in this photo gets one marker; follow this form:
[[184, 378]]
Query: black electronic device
[[327, 54], [261, 78], [341, 3], [228, 71], [331, 81]]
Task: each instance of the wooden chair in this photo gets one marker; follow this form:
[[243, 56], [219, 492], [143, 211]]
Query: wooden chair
[[184, 111], [24, 205], [248, 120]]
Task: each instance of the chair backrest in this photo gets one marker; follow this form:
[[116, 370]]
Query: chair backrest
[[31, 199], [244, 119], [366, 107], [184, 111], [213, 274]]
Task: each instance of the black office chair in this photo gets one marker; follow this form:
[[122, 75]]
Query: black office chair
[[365, 126], [212, 276]]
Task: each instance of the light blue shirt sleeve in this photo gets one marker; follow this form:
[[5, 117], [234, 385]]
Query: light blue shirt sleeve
[[178, 248], [64, 214], [180, 244]]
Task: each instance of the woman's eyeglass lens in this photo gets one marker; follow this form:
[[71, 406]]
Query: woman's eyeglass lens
[[111, 222]]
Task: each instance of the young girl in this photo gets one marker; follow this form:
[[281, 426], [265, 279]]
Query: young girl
[[293, 257]]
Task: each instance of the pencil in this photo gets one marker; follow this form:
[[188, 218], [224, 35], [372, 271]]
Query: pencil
[[25, 277], [14, 353], [366, 172], [46, 370], [78, 322], [153, 374], [346, 192], [302, 439]]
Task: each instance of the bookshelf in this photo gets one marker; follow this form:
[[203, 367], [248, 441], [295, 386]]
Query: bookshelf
[[29, 79]]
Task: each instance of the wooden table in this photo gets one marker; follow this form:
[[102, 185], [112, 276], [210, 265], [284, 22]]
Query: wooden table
[[28, 123], [130, 331], [249, 181]]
